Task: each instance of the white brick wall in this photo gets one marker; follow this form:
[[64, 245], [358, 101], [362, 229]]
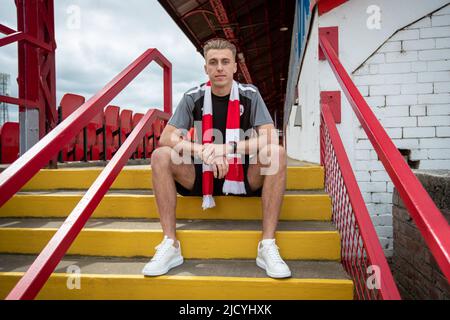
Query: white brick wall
[[417, 110], [441, 87], [406, 82]]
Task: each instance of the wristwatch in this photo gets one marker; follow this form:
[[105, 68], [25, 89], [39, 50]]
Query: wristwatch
[[234, 145]]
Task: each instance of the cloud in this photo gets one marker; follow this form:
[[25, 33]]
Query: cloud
[[97, 39]]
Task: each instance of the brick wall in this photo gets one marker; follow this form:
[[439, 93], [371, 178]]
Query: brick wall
[[415, 271], [407, 84]]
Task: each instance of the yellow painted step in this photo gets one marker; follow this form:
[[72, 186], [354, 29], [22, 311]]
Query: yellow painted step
[[140, 177], [114, 287], [308, 206], [198, 244]]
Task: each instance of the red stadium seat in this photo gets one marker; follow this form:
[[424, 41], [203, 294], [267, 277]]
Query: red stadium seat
[[73, 151], [149, 146], [149, 136], [158, 126], [139, 154], [95, 137], [149, 142], [111, 130], [9, 142], [126, 125]]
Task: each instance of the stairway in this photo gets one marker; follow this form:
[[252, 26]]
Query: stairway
[[219, 245]]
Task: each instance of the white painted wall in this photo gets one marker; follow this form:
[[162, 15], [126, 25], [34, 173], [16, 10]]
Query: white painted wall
[[406, 86], [303, 142], [356, 41], [356, 44]]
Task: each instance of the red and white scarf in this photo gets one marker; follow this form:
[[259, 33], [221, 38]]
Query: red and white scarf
[[234, 179]]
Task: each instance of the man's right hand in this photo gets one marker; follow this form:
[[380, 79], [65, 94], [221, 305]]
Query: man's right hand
[[219, 164]]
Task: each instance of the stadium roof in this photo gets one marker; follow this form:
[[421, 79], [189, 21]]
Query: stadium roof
[[261, 31]]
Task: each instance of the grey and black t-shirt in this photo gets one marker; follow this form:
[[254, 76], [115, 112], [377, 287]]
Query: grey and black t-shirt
[[253, 111]]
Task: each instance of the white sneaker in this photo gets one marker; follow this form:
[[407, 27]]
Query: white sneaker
[[269, 259], [165, 258]]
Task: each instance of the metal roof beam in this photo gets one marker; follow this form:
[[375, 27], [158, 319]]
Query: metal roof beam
[[269, 37], [222, 17]]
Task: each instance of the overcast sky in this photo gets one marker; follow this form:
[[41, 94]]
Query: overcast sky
[[96, 39]]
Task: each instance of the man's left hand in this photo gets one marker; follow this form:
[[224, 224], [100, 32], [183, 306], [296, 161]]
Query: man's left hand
[[220, 167], [211, 151]]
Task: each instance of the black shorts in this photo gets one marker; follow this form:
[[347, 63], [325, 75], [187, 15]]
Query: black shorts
[[197, 190]]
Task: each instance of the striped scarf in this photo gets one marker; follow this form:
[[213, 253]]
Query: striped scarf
[[234, 179]]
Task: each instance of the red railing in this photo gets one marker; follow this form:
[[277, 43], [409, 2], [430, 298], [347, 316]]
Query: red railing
[[39, 272], [429, 220], [24, 168], [360, 247], [15, 176]]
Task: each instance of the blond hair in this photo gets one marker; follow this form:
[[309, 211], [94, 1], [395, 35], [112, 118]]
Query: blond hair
[[219, 44]]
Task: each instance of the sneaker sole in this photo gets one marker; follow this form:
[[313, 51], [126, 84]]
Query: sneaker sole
[[173, 264], [260, 263]]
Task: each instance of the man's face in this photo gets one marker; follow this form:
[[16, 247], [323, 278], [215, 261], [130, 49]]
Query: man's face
[[220, 67]]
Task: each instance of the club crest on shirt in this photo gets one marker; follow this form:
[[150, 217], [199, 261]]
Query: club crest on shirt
[[241, 110]]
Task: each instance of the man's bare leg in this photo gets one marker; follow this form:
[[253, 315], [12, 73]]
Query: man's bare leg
[[274, 185], [164, 174]]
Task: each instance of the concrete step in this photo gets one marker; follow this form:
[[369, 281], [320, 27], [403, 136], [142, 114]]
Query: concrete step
[[114, 278], [199, 239], [140, 177], [303, 205], [153, 224]]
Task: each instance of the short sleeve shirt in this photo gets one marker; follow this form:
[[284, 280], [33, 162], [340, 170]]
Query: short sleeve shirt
[[253, 110]]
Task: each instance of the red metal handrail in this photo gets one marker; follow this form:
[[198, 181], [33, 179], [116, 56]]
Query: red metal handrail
[[429, 220], [24, 168], [41, 269], [360, 247]]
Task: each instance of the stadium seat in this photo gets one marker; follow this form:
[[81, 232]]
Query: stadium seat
[[73, 151], [111, 130], [126, 125], [139, 154], [9, 142], [158, 127], [95, 136]]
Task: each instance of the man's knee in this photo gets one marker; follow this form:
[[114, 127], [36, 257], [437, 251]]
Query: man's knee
[[272, 160], [282, 154], [273, 153], [161, 157]]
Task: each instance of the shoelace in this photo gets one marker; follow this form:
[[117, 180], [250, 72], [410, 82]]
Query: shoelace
[[161, 250], [274, 254]]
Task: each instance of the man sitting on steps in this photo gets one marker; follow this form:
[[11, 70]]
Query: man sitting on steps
[[224, 105]]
